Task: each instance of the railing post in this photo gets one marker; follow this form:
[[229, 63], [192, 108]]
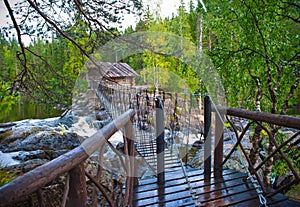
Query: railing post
[[160, 141], [77, 187], [132, 180], [218, 152], [207, 138]]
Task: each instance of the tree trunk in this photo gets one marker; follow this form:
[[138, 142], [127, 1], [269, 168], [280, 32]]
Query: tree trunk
[[256, 141], [200, 48]]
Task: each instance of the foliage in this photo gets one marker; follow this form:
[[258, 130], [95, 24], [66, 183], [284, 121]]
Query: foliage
[[280, 166], [5, 175], [256, 45], [63, 35]]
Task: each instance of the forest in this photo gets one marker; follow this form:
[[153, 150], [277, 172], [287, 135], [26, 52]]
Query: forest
[[253, 45]]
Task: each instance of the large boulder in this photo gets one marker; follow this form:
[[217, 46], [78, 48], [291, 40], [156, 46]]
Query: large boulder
[[38, 138]]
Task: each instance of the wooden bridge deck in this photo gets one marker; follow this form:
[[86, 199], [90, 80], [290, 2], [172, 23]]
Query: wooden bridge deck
[[233, 189]]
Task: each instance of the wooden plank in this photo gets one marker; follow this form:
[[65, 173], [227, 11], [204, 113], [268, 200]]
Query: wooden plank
[[179, 196], [170, 189], [194, 176], [235, 194], [229, 191], [168, 185], [285, 203], [200, 183]]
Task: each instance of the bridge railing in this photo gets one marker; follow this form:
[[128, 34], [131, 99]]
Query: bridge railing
[[274, 146], [269, 145], [72, 163]]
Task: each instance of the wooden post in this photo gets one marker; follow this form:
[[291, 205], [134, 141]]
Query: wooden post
[[218, 152], [132, 180], [160, 141], [207, 138], [77, 190]]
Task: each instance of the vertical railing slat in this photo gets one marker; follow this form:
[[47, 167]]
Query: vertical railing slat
[[77, 187], [160, 141], [218, 152], [131, 180], [207, 138]]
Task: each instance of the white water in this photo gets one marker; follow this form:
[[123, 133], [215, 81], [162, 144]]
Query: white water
[[6, 159]]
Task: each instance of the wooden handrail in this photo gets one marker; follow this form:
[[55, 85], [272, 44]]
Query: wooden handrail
[[31, 181], [258, 118], [277, 119]]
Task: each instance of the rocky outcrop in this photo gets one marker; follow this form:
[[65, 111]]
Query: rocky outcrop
[[37, 138], [31, 143]]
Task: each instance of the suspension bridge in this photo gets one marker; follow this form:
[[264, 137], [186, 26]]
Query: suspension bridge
[[167, 131]]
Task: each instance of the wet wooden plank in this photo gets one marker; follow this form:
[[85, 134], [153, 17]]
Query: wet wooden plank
[[225, 197], [177, 197], [199, 183], [232, 190], [152, 192]]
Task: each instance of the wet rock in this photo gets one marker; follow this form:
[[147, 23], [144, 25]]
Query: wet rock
[[54, 154]]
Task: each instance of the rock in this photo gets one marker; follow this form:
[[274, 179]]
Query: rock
[[5, 130], [27, 165], [7, 125], [20, 133], [66, 121], [120, 147], [198, 144], [24, 156], [198, 160], [283, 180], [101, 115], [227, 137], [46, 140]]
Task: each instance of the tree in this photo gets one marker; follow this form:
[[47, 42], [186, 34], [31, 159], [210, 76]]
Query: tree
[[46, 20], [254, 43], [257, 45]]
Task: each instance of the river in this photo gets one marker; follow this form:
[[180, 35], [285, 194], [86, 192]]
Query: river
[[27, 110]]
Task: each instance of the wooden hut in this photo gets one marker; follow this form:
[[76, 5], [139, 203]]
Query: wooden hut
[[120, 73]]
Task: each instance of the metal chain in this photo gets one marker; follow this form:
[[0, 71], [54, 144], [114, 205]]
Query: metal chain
[[255, 183], [258, 190]]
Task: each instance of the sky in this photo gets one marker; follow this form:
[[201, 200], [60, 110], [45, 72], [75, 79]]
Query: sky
[[168, 7]]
